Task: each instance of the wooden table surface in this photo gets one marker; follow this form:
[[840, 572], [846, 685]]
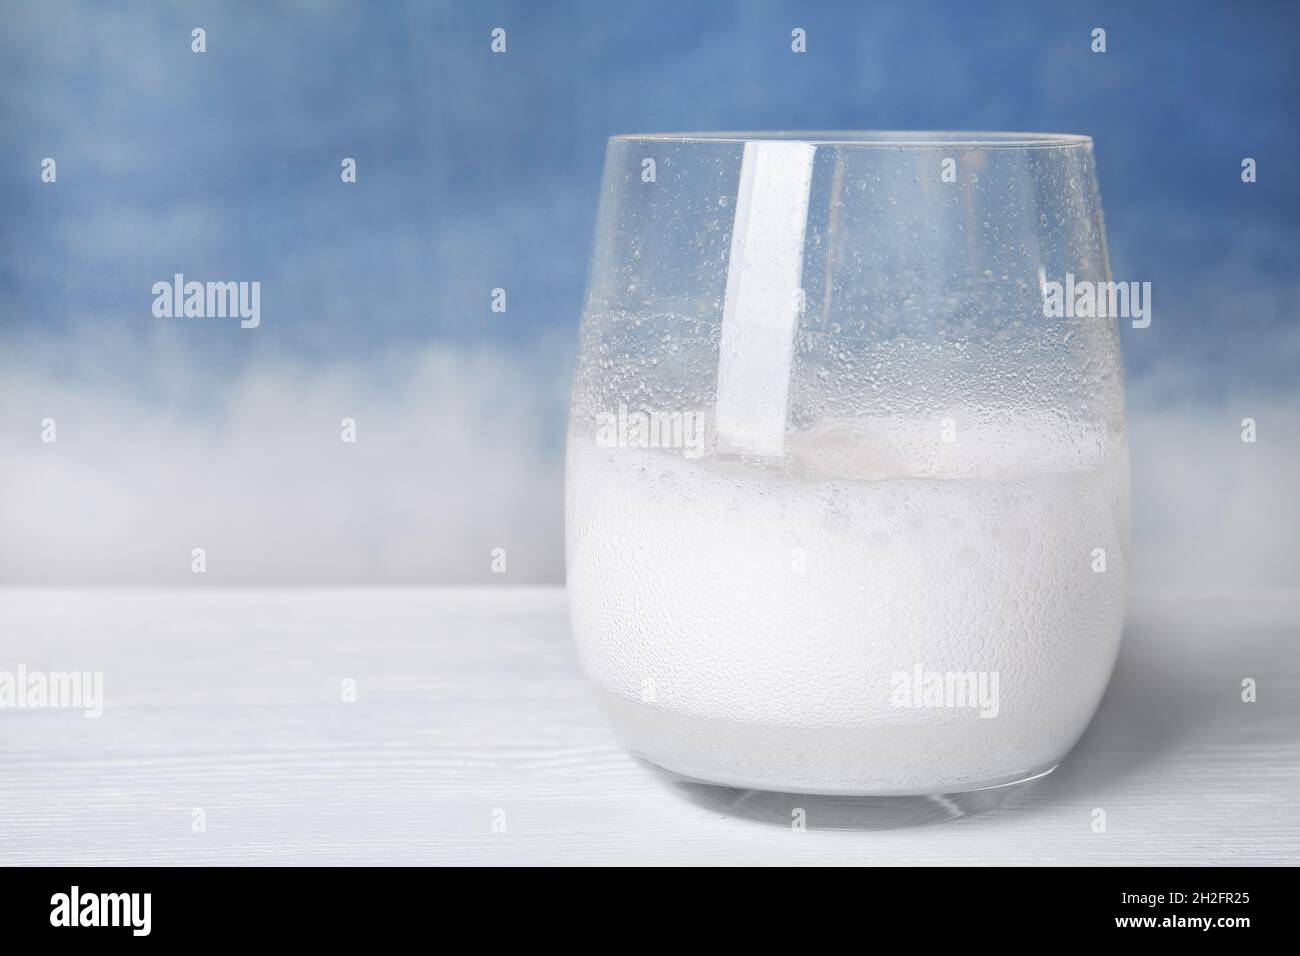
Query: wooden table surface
[[225, 740]]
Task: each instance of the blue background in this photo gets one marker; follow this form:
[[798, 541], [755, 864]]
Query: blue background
[[478, 171]]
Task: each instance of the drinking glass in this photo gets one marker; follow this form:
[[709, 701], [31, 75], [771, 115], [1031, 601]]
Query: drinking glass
[[846, 506]]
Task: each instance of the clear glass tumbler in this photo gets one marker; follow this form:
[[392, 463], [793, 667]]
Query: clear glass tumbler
[[846, 506]]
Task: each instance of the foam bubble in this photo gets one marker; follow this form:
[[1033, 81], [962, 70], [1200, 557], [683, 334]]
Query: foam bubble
[[770, 607]]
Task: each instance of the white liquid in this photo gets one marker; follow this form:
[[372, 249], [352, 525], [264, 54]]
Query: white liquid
[[746, 623]]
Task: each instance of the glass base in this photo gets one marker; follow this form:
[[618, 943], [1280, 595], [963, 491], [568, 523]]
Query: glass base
[[843, 812]]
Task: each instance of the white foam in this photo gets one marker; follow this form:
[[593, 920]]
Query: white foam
[[772, 607]]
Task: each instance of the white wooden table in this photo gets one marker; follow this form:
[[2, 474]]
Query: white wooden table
[[470, 710]]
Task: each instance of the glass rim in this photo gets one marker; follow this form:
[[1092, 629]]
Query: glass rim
[[872, 139]]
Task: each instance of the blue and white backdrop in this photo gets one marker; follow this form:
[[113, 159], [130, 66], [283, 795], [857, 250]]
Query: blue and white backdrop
[[133, 149]]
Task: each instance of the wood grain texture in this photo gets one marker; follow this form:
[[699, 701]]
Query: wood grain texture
[[470, 701]]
